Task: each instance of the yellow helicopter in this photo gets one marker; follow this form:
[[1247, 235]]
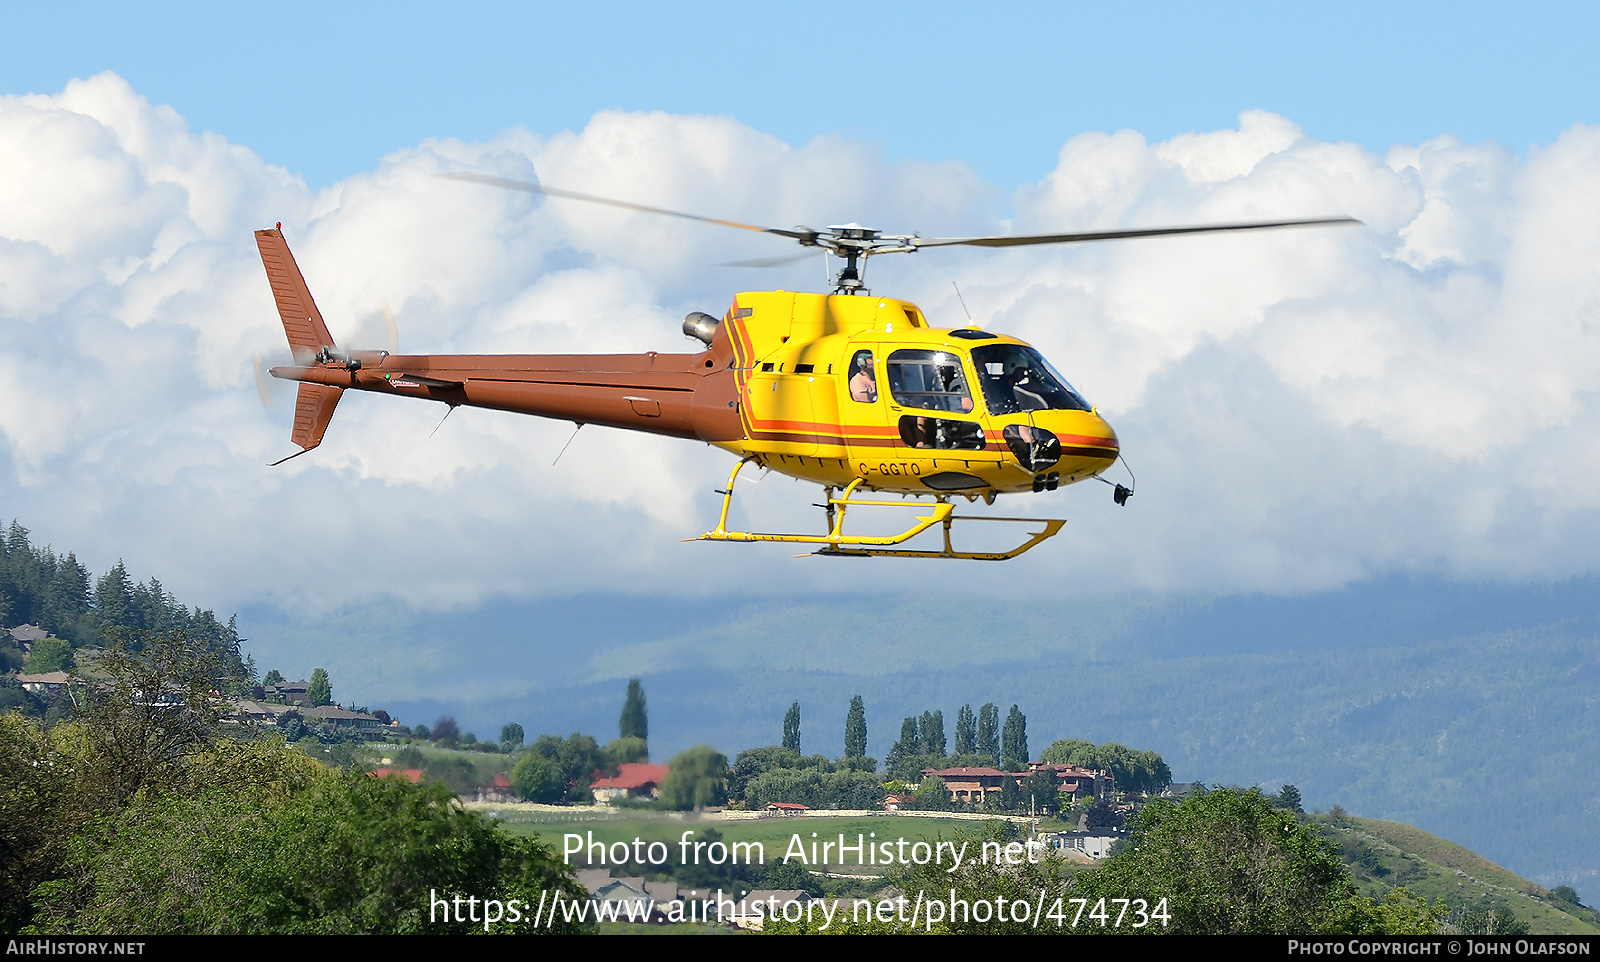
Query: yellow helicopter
[[854, 392]]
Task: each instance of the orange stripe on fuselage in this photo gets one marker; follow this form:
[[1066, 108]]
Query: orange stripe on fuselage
[[1088, 439], [742, 361]]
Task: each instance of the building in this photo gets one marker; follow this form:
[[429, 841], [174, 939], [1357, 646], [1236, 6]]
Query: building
[[336, 717], [974, 785], [634, 780], [1094, 843], [47, 683], [26, 635], [971, 785], [631, 898], [498, 792], [290, 692], [1080, 783], [255, 712]]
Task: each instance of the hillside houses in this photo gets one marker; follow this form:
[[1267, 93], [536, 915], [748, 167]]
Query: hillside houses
[[973, 786]]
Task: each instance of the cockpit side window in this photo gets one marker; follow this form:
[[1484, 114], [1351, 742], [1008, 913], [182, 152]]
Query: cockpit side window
[[863, 378], [1016, 379], [929, 380]]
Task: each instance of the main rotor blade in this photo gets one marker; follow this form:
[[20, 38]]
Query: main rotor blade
[[1023, 240], [625, 205], [769, 261]]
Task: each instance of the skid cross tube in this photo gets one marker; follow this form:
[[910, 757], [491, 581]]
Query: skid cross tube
[[837, 543]]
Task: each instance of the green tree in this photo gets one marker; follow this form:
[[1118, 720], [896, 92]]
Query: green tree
[[1039, 793], [1228, 862], [154, 707], [273, 678], [577, 759], [933, 795], [1288, 797], [1014, 741], [907, 746], [37, 815], [512, 735], [50, 654], [537, 779], [255, 843], [1009, 798], [815, 786], [855, 729], [756, 761], [319, 691], [1062, 750], [1133, 771], [791, 728], [989, 731], [1102, 815], [634, 723], [930, 733], [966, 732], [696, 778], [113, 600], [622, 751], [444, 728]]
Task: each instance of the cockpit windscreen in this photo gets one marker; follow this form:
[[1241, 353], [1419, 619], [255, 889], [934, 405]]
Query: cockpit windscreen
[[1016, 378]]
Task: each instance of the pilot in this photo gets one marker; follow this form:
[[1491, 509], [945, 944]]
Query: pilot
[[863, 383], [1024, 386]]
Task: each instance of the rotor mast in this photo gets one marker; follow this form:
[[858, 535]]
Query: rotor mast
[[855, 244]]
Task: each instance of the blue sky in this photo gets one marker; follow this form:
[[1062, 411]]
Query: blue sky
[[326, 89]]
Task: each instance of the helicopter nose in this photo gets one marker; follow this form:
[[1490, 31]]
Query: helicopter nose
[[1078, 443]]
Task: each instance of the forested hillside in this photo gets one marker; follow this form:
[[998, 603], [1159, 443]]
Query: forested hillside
[[53, 591]]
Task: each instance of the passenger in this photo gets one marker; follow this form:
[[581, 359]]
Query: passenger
[[864, 382]]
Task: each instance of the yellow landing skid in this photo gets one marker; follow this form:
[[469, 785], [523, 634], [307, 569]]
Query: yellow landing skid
[[838, 544]]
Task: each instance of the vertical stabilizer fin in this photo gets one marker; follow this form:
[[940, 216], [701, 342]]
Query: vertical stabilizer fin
[[302, 322]]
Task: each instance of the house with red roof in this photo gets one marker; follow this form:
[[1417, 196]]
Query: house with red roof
[[633, 780], [971, 785]]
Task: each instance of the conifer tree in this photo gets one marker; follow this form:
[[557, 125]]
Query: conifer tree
[[930, 732], [855, 729], [319, 691], [989, 731], [966, 732], [634, 722], [791, 728], [1014, 741]]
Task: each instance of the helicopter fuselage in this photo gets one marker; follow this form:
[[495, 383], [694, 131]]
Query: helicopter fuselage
[[826, 388]]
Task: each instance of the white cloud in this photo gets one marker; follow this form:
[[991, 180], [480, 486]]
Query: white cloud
[[1303, 407]]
